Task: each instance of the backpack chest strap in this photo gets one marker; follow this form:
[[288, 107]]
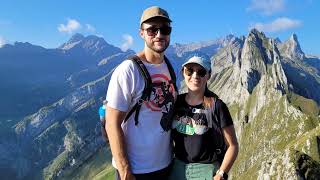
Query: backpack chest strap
[[196, 110]]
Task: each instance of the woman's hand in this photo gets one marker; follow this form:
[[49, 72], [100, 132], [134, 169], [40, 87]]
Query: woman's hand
[[217, 177]]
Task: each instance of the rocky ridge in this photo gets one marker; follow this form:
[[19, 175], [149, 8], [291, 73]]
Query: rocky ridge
[[249, 75], [277, 128]]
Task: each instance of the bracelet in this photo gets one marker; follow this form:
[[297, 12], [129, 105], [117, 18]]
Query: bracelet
[[222, 174]]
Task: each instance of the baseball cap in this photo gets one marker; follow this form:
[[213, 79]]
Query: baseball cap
[[153, 12], [203, 61]]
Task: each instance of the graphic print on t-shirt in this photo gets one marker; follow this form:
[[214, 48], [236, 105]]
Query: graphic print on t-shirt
[[190, 124], [162, 98], [162, 95]]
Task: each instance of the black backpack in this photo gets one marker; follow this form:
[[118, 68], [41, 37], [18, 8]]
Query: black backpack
[[214, 122], [166, 125], [165, 122]]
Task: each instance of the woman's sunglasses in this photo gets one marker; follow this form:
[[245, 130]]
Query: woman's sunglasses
[[153, 30], [201, 72]]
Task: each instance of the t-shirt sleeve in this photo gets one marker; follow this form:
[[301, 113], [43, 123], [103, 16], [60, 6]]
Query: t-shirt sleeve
[[224, 114], [121, 87]]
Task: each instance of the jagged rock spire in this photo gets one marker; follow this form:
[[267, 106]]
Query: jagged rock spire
[[249, 68], [258, 53], [291, 48]]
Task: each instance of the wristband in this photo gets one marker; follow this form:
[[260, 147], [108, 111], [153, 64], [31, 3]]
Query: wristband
[[222, 174]]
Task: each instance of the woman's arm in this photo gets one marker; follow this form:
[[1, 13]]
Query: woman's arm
[[232, 151]]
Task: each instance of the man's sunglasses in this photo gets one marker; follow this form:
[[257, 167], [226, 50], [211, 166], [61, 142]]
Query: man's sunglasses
[[201, 72], [153, 30]]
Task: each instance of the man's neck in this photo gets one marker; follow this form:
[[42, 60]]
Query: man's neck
[[151, 57]]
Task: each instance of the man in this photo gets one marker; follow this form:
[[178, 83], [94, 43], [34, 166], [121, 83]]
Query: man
[[142, 150]]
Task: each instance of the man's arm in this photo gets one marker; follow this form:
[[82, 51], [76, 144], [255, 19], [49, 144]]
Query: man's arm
[[114, 119]]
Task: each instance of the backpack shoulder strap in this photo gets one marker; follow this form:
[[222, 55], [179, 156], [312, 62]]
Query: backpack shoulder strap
[[171, 72], [215, 123], [211, 113], [213, 110], [146, 91]]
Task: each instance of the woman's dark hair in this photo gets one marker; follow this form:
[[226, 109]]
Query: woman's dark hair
[[208, 98]]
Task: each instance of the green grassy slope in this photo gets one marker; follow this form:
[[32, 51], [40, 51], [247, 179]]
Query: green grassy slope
[[268, 143], [97, 167]]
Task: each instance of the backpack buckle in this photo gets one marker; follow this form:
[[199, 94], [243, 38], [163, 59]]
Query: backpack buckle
[[218, 151], [140, 101], [195, 110]]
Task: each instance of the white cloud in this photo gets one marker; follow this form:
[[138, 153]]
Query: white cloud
[[280, 24], [267, 7], [128, 42], [70, 27], [90, 28], [2, 41]]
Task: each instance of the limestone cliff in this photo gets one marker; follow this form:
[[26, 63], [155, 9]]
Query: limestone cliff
[[272, 122]]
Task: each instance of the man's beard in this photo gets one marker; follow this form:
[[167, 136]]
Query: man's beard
[[158, 50]]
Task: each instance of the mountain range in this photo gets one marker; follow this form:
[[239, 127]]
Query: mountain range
[[51, 128]]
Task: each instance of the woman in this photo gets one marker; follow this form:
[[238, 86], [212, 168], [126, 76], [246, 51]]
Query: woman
[[195, 154]]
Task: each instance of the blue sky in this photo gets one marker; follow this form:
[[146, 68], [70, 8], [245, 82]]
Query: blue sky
[[51, 23]]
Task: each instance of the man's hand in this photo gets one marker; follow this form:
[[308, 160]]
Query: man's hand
[[115, 134], [127, 176]]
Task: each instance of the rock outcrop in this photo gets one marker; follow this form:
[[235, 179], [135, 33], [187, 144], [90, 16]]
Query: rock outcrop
[[270, 88], [250, 75]]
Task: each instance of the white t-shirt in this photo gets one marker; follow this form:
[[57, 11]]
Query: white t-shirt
[[148, 145]]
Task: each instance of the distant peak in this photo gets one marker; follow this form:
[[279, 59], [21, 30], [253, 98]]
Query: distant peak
[[294, 38], [24, 46], [292, 48], [230, 36], [256, 33], [76, 37], [277, 40], [80, 39], [93, 37], [293, 41], [242, 38], [18, 43]]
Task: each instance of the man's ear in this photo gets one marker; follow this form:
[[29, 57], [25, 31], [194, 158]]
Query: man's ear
[[141, 33]]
